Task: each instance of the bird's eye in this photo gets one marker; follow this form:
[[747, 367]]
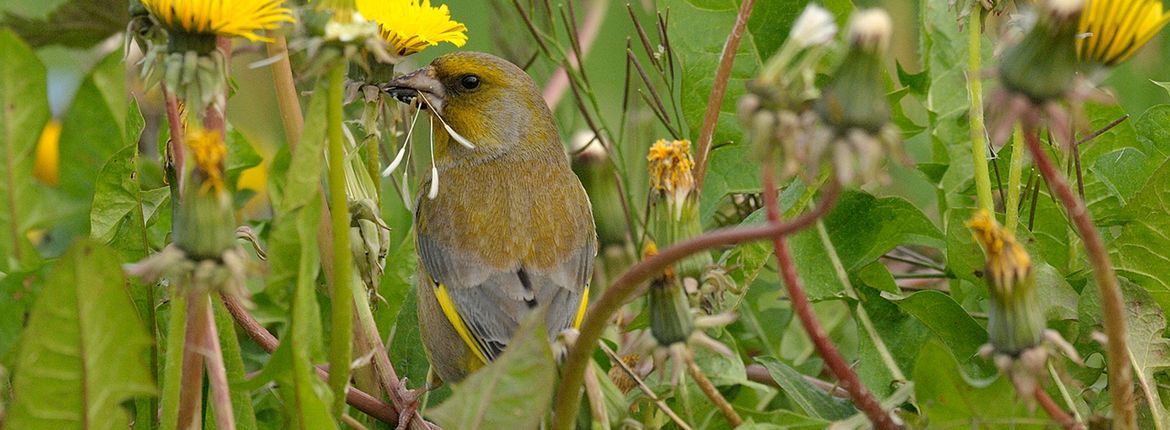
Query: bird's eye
[[469, 82]]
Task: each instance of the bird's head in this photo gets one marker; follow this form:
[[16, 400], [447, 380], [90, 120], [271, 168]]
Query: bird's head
[[487, 100]]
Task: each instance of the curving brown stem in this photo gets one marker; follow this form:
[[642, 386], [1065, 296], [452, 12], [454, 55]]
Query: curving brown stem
[[836, 364], [364, 402], [712, 393], [1055, 412], [1112, 306], [718, 89], [599, 314]]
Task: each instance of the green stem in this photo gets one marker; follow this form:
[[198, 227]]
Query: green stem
[[173, 360], [1015, 172], [342, 295], [975, 97]]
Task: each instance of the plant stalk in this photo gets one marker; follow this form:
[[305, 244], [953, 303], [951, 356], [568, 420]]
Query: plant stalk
[[975, 115], [1120, 371], [836, 364], [191, 390], [718, 89], [1055, 412], [221, 397], [173, 370], [712, 393], [341, 333], [1015, 172], [599, 314]]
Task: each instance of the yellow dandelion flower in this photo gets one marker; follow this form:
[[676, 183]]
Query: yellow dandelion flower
[[241, 18], [412, 25], [48, 153], [208, 152], [671, 166], [1008, 263], [1116, 29]]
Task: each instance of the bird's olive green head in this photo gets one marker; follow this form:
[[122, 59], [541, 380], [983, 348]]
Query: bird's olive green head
[[484, 98]]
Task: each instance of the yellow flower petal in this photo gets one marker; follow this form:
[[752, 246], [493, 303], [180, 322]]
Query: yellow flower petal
[[48, 158], [242, 18], [1117, 29], [413, 25]]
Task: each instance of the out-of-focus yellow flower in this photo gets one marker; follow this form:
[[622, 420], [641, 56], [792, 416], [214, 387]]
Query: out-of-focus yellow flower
[[412, 25], [1117, 29], [671, 166], [208, 153], [1008, 263], [48, 153], [241, 18]]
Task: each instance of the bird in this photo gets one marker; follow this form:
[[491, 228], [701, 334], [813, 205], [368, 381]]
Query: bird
[[506, 228]]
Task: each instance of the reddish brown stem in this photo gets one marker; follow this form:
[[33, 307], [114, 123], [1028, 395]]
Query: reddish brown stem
[[599, 314], [175, 144], [364, 402], [1055, 412], [836, 364], [191, 390], [1112, 306], [718, 89], [221, 396]]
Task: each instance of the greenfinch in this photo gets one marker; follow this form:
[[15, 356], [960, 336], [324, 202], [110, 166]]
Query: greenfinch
[[502, 226]]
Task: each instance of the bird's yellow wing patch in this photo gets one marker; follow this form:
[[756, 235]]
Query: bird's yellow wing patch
[[581, 309], [456, 320]]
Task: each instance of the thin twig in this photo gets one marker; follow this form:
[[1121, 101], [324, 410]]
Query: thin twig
[[711, 392], [1055, 412], [364, 402], [718, 89], [861, 396], [1120, 371], [599, 314], [555, 89]]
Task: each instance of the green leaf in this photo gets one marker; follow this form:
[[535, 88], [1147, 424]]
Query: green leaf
[[77, 23], [514, 391], [1145, 325], [121, 210], [84, 350], [1142, 251], [405, 343], [946, 319], [303, 179], [947, 399], [24, 109], [864, 227], [814, 401], [241, 156]]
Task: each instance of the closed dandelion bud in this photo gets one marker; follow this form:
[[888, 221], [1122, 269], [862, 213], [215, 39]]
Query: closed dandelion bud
[[670, 314], [855, 96], [1043, 64], [205, 223], [674, 201], [1015, 323]]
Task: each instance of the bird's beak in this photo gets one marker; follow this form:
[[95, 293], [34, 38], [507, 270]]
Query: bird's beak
[[421, 82]]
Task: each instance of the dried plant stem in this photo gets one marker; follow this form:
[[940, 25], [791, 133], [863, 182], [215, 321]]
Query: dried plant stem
[[555, 89], [712, 393], [1055, 412], [599, 314], [975, 116], [1120, 371], [341, 340], [862, 397], [646, 390], [718, 89], [364, 402], [402, 398], [221, 397]]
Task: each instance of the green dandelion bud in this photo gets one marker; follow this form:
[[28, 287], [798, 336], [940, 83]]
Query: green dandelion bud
[[1015, 323], [1044, 64]]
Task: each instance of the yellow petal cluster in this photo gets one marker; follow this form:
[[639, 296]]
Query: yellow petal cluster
[[413, 25], [1008, 263], [48, 153], [208, 152], [671, 166], [1116, 29], [243, 18]]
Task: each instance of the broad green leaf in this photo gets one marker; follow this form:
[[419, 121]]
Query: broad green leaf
[[77, 23], [813, 400], [24, 109], [514, 391], [405, 344], [1145, 328], [1142, 251], [82, 323], [948, 399], [946, 319], [241, 156], [305, 166], [18, 292], [92, 129], [121, 210], [863, 227]]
